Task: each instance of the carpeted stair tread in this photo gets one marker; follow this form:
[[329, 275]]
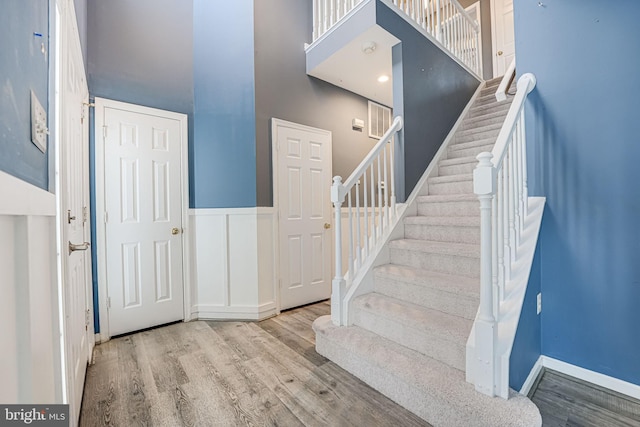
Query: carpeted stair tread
[[451, 178], [459, 221], [459, 285], [444, 248], [437, 198], [430, 332], [457, 161], [447, 326], [471, 144], [431, 389]]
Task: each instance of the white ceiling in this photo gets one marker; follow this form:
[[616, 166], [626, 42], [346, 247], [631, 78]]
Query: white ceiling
[[350, 68]]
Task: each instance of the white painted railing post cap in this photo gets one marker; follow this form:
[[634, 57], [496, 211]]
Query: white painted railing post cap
[[527, 82], [484, 175], [337, 193]]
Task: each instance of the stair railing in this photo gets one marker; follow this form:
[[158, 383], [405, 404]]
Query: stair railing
[[445, 20], [500, 181], [370, 198]]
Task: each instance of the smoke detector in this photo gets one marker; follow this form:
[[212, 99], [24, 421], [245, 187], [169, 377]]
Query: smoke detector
[[368, 47]]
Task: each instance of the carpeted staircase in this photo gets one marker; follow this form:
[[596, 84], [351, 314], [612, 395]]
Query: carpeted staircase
[[408, 337]]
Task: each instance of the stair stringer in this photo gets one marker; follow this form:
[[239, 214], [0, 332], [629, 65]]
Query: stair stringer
[[511, 306], [362, 283]]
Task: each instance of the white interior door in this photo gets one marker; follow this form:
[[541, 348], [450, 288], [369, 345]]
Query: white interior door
[[143, 201], [504, 46], [302, 172], [73, 170]]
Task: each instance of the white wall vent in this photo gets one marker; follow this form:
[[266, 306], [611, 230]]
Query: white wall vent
[[379, 120]]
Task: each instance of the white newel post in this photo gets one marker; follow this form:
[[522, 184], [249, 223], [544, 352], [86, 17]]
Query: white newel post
[[484, 186], [339, 285]]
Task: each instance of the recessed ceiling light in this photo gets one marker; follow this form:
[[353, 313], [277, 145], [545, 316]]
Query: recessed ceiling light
[[383, 78]]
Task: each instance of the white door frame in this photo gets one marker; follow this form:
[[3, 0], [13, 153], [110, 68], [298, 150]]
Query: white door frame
[[276, 192], [494, 39], [101, 238]]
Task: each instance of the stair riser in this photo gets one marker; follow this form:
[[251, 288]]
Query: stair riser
[[479, 130], [489, 134], [442, 233], [442, 263], [421, 403], [459, 187], [457, 169], [463, 208], [446, 302], [469, 152], [422, 341], [488, 100], [482, 110], [472, 124]]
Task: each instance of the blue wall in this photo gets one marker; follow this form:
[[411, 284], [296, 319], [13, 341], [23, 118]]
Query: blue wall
[[583, 132], [23, 67], [527, 343], [435, 90], [224, 151]]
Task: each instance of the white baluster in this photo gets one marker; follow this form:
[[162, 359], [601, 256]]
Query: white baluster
[[500, 232], [525, 190], [512, 203], [366, 214], [351, 249], [380, 206], [505, 224], [386, 189], [374, 235], [358, 234], [339, 285]]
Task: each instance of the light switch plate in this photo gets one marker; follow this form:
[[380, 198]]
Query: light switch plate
[[39, 129]]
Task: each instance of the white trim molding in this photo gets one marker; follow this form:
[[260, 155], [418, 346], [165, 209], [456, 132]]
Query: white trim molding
[[21, 198], [532, 377], [592, 377], [99, 168], [233, 264], [611, 383]]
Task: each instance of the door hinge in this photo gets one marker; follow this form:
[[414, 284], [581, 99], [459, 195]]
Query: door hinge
[[106, 217], [108, 302], [84, 214], [104, 131]]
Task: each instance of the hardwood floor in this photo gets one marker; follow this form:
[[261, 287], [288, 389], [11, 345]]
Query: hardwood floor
[[230, 374], [567, 401]]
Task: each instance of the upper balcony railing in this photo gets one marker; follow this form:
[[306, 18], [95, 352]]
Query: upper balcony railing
[[445, 20]]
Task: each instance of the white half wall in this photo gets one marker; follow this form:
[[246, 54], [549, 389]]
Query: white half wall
[[232, 263], [30, 356]]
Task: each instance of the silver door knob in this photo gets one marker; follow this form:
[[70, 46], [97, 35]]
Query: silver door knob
[[81, 247]]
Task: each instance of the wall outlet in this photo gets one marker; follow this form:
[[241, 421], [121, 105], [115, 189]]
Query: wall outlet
[[39, 129], [539, 301]]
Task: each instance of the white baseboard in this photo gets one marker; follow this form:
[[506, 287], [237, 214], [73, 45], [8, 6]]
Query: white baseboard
[[615, 384], [611, 383], [533, 376], [219, 312]]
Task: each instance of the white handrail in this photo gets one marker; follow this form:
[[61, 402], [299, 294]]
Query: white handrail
[[368, 217], [446, 20], [501, 93], [500, 181]]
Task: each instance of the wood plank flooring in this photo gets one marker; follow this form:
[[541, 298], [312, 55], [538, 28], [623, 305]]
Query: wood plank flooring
[[230, 374], [567, 401]]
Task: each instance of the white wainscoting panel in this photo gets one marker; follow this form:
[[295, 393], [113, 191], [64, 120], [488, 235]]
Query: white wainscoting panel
[[232, 263], [30, 360]]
